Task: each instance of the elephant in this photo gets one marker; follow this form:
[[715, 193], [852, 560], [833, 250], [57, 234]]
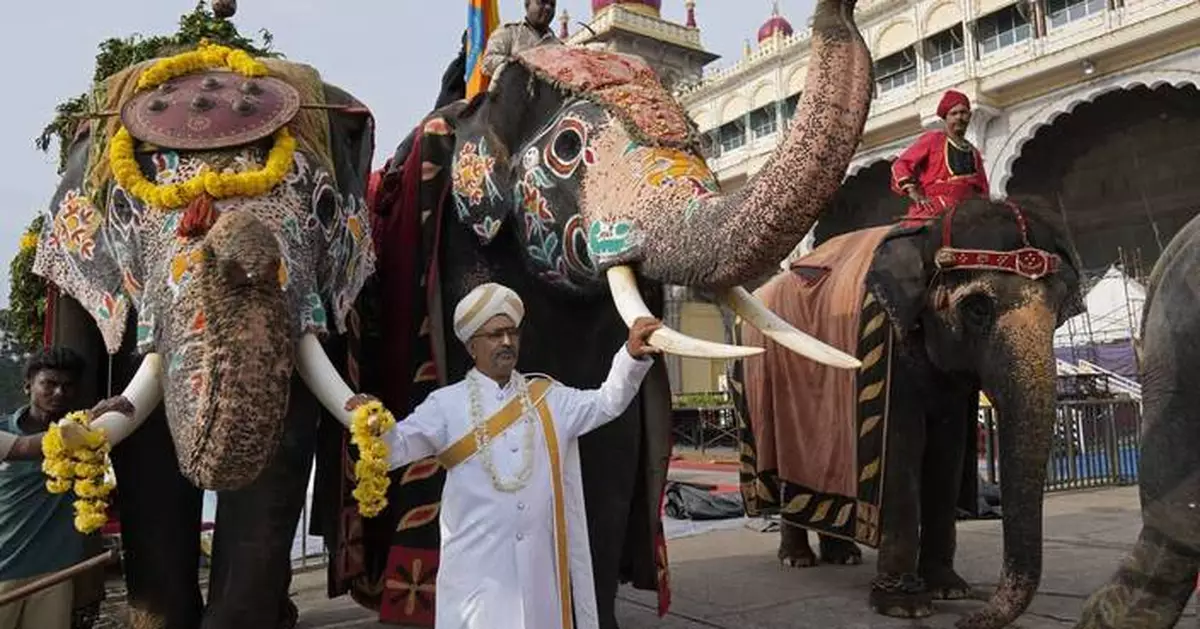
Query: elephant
[[1151, 587], [578, 181], [217, 308], [936, 312]]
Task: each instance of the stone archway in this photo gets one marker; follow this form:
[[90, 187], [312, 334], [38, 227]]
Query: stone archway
[[1123, 170], [864, 200]]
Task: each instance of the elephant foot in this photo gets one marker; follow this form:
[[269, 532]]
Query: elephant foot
[[839, 552], [794, 550], [289, 615], [944, 584], [900, 596]]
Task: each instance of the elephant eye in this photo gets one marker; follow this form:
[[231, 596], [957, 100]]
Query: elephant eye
[[977, 310], [568, 145]]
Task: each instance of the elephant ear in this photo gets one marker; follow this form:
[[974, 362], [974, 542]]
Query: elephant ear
[[89, 246], [899, 276], [480, 165], [348, 258]]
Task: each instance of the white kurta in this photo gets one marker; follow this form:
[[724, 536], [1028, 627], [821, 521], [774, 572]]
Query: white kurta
[[497, 564]]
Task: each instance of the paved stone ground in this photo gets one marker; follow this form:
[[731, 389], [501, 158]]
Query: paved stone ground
[[730, 579]]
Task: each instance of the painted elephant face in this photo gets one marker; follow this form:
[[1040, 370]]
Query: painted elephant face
[[224, 307]]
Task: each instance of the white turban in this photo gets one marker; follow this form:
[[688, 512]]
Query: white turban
[[483, 303]]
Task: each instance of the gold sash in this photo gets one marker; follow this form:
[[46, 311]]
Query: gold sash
[[466, 447]]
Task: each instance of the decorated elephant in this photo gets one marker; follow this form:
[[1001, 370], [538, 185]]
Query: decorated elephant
[[578, 181], [209, 233], [935, 312], [1151, 587]]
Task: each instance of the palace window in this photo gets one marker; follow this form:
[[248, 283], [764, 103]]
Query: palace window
[[1002, 29], [763, 121], [789, 107], [732, 135], [945, 49], [1063, 12], [896, 70], [710, 144]]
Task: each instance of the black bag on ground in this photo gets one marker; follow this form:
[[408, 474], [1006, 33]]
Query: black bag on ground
[[689, 502]]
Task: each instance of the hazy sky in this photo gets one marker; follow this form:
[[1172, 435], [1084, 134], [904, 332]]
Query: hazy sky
[[388, 53]]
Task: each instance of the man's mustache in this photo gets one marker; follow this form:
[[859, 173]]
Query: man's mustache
[[505, 353]]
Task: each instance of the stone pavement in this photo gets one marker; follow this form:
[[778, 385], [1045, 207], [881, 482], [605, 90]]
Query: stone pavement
[[731, 578]]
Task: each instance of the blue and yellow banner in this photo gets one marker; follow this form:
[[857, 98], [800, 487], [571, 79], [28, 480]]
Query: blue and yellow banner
[[483, 17]]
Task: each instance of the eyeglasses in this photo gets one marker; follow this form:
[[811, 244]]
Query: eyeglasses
[[498, 335]]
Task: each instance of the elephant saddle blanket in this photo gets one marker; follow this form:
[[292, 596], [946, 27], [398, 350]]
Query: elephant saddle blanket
[[818, 433], [624, 85]]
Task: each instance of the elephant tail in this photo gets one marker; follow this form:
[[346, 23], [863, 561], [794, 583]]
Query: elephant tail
[[1150, 589]]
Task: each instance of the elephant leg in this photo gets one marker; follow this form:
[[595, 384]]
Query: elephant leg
[[608, 487], [1150, 589], [897, 590], [252, 543], [794, 550], [839, 552], [941, 481], [160, 530]]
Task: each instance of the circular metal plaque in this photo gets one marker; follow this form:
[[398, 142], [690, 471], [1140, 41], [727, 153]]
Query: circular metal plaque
[[210, 110]]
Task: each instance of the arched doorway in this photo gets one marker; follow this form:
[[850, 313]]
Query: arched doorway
[[864, 200], [1123, 170]]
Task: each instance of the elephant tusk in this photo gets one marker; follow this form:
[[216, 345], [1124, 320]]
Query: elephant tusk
[[774, 327], [631, 306], [144, 391], [322, 378]]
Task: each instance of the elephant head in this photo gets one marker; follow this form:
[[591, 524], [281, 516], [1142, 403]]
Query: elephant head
[[982, 290], [598, 174], [231, 290]]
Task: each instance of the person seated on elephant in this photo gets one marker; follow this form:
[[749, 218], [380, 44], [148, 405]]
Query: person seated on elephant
[[512, 512], [942, 167], [513, 37], [37, 528]]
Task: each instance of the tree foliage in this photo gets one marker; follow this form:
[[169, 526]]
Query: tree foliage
[[22, 324], [118, 53]]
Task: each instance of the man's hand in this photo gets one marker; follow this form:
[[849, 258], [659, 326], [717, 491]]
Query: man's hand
[[915, 194], [358, 400], [638, 344], [118, 403]]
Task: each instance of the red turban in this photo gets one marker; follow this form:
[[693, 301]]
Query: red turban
[[950, 100]]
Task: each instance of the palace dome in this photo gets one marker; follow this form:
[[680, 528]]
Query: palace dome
[[652, 7], [776, 24]]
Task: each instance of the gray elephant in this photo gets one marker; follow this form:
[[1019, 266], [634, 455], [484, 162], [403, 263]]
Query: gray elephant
[[935, 312], [1154, 582], [209, 231]]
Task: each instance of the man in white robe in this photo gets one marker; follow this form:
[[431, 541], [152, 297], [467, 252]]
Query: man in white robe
[[508, 505]]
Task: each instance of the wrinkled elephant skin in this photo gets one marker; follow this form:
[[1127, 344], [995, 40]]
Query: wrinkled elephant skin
[[224, 310], [1152, 585]]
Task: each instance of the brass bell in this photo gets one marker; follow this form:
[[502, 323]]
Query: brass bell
[[224, 9]]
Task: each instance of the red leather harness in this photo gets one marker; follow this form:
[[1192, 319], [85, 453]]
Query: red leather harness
[[1028, 261]]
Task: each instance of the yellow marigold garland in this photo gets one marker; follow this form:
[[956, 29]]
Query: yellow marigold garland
[[217, 185], [87, 467], [368, 423]]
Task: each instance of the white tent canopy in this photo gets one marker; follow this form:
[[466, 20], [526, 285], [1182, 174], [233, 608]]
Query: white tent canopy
[[1113, 312]]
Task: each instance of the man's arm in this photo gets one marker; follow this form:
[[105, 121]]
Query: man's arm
[[418, 436], [906, 168], [583, 411], [497, 51], [20, 448]]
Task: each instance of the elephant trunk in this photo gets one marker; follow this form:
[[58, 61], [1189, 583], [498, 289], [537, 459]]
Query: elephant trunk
[[1018, 375], [731, 239], [228, 413]]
